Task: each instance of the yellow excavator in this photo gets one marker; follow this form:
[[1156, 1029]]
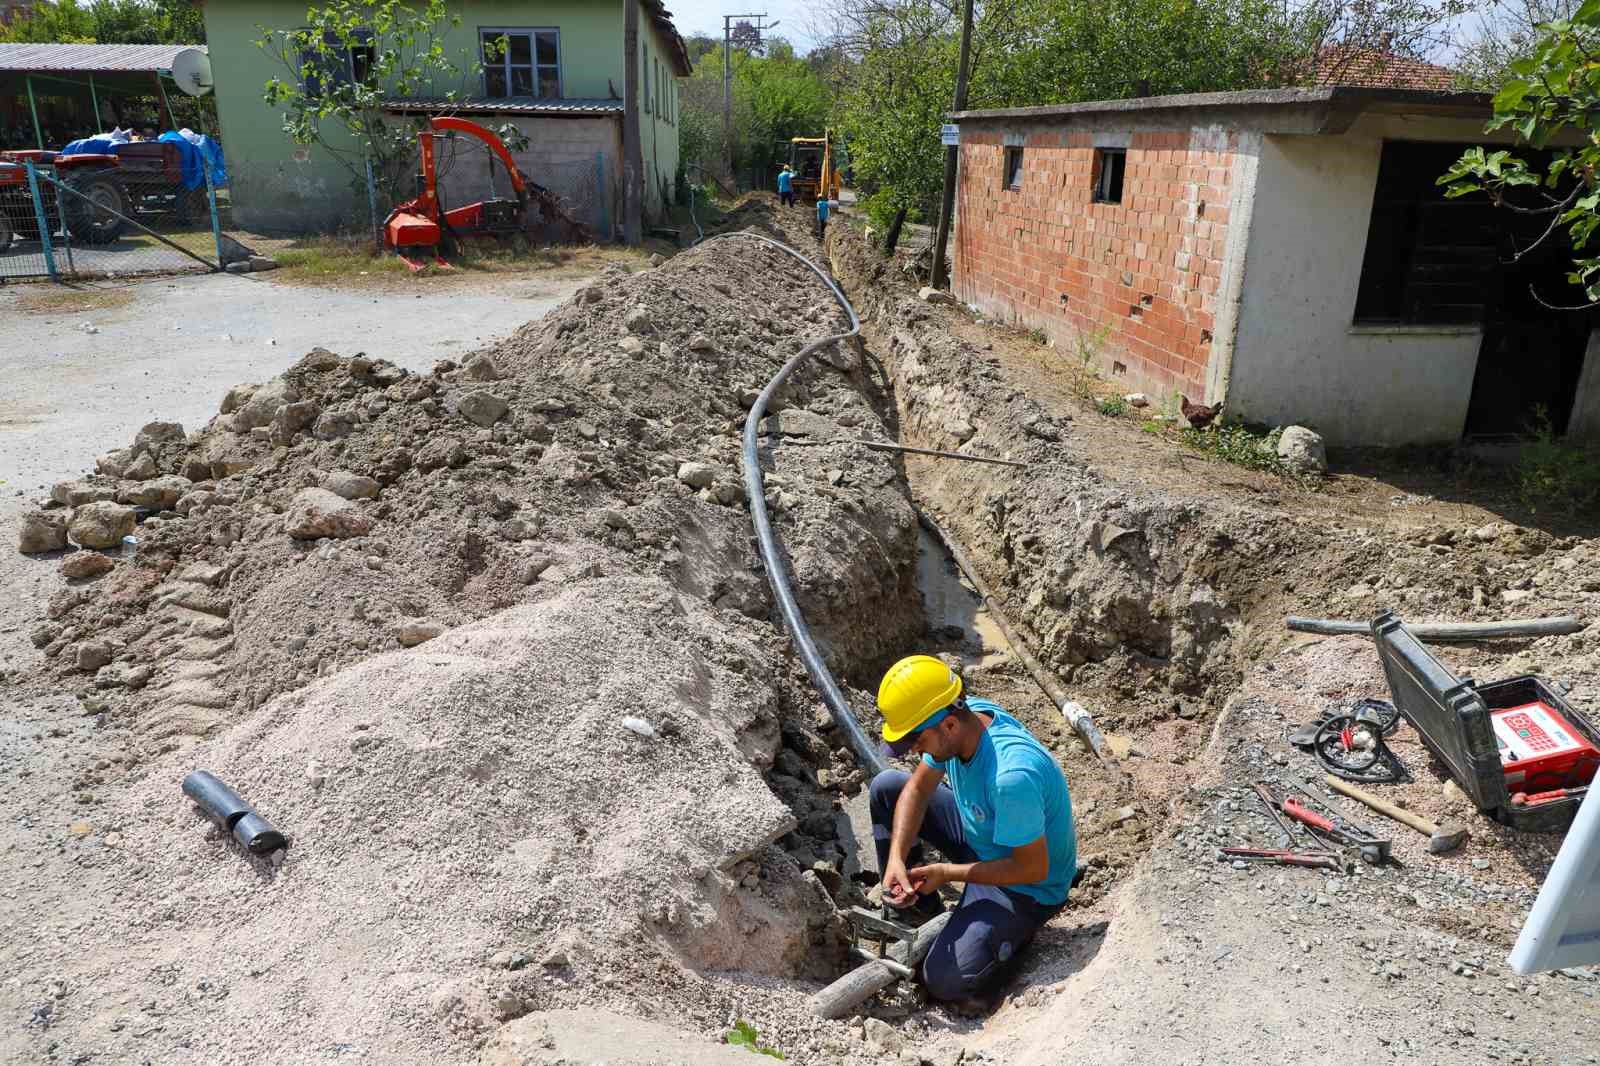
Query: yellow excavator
[[816, 170]]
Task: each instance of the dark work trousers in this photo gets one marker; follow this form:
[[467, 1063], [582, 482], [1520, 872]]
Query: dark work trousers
[[991, 924], [787, 198], [822, 229]]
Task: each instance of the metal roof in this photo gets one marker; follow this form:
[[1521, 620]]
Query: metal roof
[[510, 105], [90, 58]]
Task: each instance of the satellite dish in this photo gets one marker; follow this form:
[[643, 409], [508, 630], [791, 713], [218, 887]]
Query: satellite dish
[[191, 69]]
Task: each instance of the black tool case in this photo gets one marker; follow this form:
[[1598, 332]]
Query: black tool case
[[1451, 715]]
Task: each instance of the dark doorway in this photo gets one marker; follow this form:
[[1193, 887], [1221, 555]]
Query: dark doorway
[[1436, 261]]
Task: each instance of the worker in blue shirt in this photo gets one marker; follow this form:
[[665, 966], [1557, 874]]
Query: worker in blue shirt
[[822, 218], [993, 801], [786, 185]]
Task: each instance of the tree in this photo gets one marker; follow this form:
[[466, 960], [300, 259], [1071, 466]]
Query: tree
[[107, 22], [902, 59], [1507, 30], [341, 66], [1550, 97], [775, 97]]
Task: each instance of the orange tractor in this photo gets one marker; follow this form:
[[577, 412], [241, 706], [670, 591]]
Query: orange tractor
[[424, 224]]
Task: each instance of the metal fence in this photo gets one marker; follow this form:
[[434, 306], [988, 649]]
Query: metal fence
[[71, 217]]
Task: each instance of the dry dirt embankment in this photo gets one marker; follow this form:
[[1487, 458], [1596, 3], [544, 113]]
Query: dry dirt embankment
[[1155, 585], [407, 615]]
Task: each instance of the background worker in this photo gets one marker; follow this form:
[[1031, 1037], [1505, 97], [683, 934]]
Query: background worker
[[786, 185], [822, 218], [1004, 819]]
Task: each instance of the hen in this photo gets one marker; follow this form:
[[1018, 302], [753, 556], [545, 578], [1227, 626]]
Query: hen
[[1198, 415]]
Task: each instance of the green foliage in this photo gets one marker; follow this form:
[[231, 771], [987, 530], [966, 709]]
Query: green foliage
[[107, 22], [901, 83], [1556, 474], [347, 58], [775, 97], [1237, 444], [1551, 91], [1114, 406], [1086, 346], [743, 1034]]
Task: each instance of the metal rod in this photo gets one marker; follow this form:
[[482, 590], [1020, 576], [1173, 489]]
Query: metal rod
[[94, 101], [1447, 631], [875, 446], [39, 215], [899, 970], [161, 91], [211, 201], [134, 222], [33, 109]]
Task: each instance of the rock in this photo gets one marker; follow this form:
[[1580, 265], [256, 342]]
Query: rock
[[930, 295], [481, 368], [44, 634], [86, 490], [1454, 798], [240, 395], [351, 486], [101, 524], [319, 358], [141, 469], [412, 632], [262, 262], [84, 564], [154, 433], [242, 266], [263, 404], [1124, 814], [161, 493], [1516, 595], [331, 425], [91, 655], [700, 343], [1302, 451], [293, 418], [316, 513], [535, 566], [638, 321], [482, 408], [1043, 428], [42, 531], [882, 1037], [1136, 399], [631, 345], [656, 259]]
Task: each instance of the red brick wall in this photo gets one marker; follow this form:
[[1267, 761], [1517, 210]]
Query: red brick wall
[[1146, 269]]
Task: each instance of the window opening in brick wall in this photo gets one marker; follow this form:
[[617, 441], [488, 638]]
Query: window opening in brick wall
[[1013, 171], [1109, 166]]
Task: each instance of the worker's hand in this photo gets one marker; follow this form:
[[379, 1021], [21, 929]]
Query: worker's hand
[[898, 886], [929, 878]]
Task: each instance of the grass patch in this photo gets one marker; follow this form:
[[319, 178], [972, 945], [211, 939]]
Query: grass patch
[[1114, 406], [354, 261], [1556, 474], [744, 1035], [1238, 444], [58, 300]]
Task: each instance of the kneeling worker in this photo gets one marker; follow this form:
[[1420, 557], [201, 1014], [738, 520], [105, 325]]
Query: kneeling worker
[[1004, 819]]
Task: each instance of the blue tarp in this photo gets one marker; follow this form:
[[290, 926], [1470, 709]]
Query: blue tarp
[[191, 167]]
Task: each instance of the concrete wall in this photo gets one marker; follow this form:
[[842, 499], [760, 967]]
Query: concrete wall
[[577, 158], [658, 119], [280, 185], [1142, 275], [1298, 356]]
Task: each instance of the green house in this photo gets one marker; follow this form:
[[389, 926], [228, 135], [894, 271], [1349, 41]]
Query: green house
[[558, 76]]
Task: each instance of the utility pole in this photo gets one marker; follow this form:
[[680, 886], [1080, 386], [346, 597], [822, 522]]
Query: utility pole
[[952, 152], [750, 29], [632, 149]]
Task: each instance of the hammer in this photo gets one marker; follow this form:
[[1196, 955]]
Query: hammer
[[1441, 838]]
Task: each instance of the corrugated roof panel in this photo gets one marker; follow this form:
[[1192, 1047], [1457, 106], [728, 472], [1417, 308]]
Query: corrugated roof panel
[[511, 105], [90, 57]]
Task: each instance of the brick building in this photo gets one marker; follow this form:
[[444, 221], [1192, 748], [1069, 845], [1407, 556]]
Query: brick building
[[1284, 250]]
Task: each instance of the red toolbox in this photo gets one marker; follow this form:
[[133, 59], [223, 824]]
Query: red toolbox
[[1541, 750]]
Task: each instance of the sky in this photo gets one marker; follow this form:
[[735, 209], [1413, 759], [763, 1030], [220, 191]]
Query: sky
[[705, 16]]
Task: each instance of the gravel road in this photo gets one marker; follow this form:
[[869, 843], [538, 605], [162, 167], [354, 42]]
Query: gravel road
[[67, 395]]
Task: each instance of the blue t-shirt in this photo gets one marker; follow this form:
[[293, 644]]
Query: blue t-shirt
[[822, 210], [1011, 794], [785, 181]]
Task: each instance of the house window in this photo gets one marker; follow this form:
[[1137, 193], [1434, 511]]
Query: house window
[[333, 65], [521, 63], [1013, 171], [1110, 164]]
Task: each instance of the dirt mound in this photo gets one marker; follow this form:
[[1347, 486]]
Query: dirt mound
[[407, 616]]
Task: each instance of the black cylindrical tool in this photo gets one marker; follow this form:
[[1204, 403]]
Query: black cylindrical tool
[[225, 807]]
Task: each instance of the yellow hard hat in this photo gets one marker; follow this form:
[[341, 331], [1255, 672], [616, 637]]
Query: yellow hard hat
[[914, 690]]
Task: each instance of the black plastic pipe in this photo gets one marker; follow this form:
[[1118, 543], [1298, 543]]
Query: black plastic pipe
[[866, 750], [225, 807]]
